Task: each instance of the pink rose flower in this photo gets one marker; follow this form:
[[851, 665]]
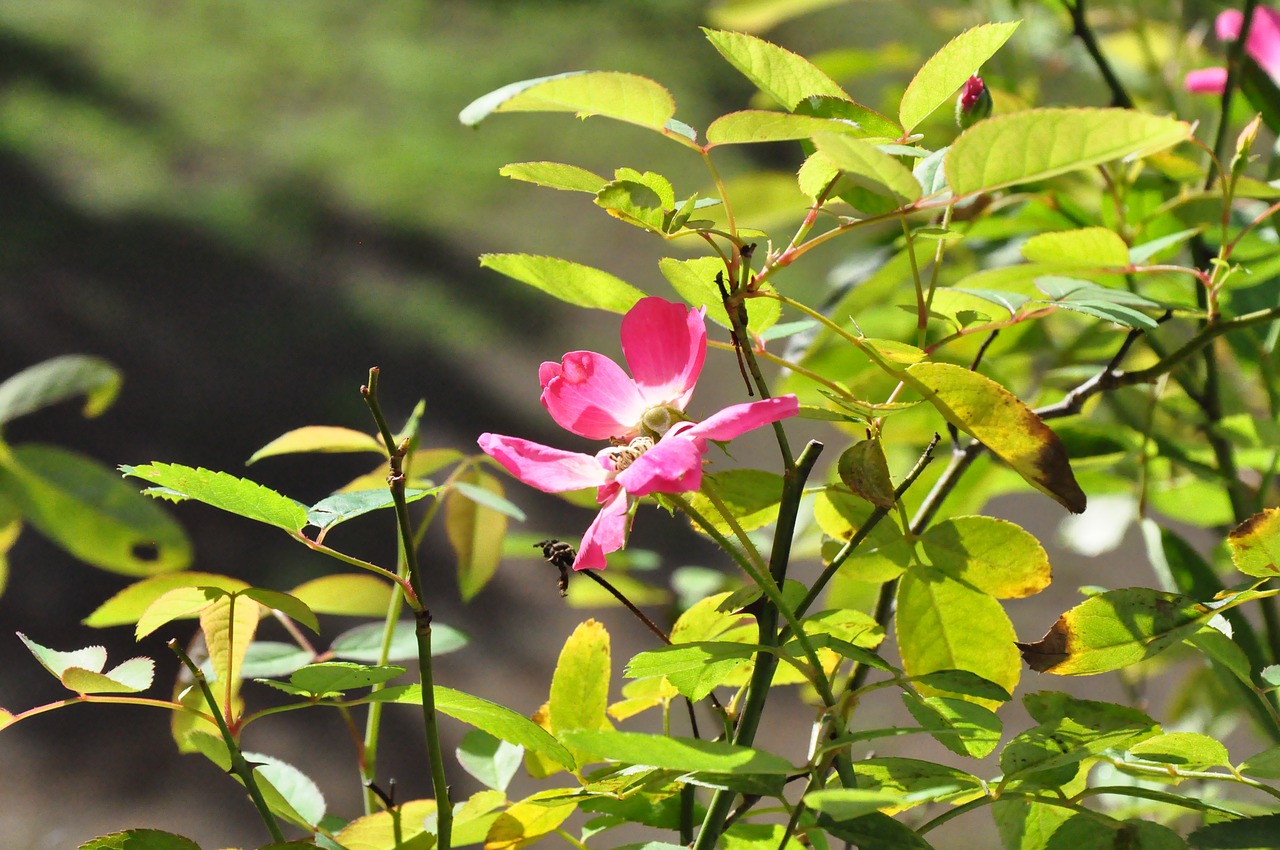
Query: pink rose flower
[[654, 447], [1263, 45]]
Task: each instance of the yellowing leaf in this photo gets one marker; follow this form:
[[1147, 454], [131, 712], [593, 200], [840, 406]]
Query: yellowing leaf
[[994, 555], [1113, 630], [228, 625], [1255, 544], [528, 820], [476, 533], [378, 831], [320, 438], [128, 605], [580, 683], [996, 418]]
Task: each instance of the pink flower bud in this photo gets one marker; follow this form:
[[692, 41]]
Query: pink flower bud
[[974, 102]]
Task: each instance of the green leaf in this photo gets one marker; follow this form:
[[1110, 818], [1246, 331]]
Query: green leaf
[[292, 607], [777, 72], [577, 284], [1255, 544], [475, 531], [1036, 144], [497, 720], [754, 125], [624, 97], [319, 438], [943, 624], [340, 507], [673, 753], [128, 605], [998, 419], [963, 682], [555, 175], [868, 167], [267, 659], [180, 602], [751, 495], [948, 69], [1257, 831], [287, 790], [57, 380], [964, 728], [364, 642], [1085, 248], [695, 281], [633, 202], [1113, 630], [488, 496], [1264, 765], [1185, 750], [81, 669], [221, 490], [85, 509], [993, 555], [335, 677], [140, 839], [874, 831], [694, 669], [868, 122], [927, 780], [489, 760], [864, 470], [1060, 744]]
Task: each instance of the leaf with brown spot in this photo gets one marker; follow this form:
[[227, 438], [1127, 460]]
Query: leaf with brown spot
[[1255, 544], [1115, 629], [999, 420]]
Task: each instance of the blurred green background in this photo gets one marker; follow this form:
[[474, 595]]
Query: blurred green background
[[245, 205]]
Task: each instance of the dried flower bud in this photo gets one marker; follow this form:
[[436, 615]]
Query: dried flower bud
[[974, 103]]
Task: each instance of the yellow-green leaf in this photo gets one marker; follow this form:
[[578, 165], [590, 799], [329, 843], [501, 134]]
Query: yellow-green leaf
[[381, 830], [128, 605], [1255, 544], [1037, 144], [695, 281], [580, 683], [348, 594], [612, 94], [943, 624], [180, 602], [575, 283], [994, 555], [1087, 247], [868, 167], [1000, 421], [756, 125], [320, 438], [776, 71], [228, 625], [475, 532], [555, 175], [57, 380], [864, 470], [946, 71]]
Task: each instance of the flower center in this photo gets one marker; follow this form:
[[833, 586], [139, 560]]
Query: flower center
[[624, 456], [658, 420]]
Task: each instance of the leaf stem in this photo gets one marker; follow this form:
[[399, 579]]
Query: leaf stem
[[238, 763]]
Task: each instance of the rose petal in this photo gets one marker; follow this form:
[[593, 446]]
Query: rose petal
[[1264, 40], [740, 418], [1206, 81], [590, 395], [674, 465], [607, 533], [550, 470], [665, 345]]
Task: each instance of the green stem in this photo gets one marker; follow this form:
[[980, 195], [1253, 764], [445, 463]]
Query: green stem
[[767, 621], [421, 616], [238, 763]]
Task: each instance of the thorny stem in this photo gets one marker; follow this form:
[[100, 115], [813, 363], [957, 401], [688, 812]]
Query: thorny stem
[[422, 616], [238, 763]]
